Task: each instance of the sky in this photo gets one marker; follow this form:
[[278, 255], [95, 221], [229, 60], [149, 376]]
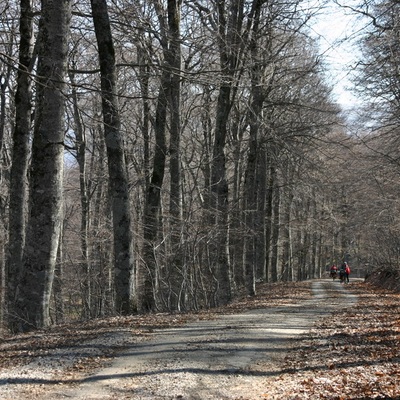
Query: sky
[[337, 29]]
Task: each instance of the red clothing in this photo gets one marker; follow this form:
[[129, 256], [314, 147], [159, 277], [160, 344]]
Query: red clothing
[[347, 270]]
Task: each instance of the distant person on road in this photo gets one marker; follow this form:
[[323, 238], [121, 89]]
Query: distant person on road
[[333, 271], [344, 272], [347, 273]]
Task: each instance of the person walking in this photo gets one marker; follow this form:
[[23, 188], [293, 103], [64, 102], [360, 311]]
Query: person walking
[[342, 273], [333, 271], [347, 273]]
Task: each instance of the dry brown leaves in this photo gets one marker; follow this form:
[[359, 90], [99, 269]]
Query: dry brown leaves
[[353, 354]]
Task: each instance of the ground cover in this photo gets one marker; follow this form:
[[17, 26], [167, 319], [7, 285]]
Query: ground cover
[[352, 353]]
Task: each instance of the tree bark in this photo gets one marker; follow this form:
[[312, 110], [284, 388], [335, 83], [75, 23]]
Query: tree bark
[[148, 268], [20, 162], [175, 205], [84, 197], [262, 179], [46, 183], [169, 99], [275, 239], [251, 184], [268, 215], [287, 261], [59, 288], [219, 186], [123, 257]]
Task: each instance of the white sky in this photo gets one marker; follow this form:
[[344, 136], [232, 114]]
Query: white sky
[[337, 29]]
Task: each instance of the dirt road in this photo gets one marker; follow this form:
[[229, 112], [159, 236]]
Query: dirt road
[[226, 358]]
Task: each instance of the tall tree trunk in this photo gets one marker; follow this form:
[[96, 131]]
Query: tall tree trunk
[[5, 77], [250, 214], [275, 231], [169, 98], [219, 187], [174, 63], [123, 255], [148, 267], [268, 215], [287, 262], [229, 38], [262, 179], [144, 77], [236, 236], [251, 184], [84, 197], [4, 83], [313, 237], [206, 275], [102, 299], [59, 282], [3, 292], [46, 184], [20, 162]]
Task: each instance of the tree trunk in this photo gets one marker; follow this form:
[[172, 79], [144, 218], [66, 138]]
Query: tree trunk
[[262, 177], [20, 162], [59, 282], [6, 75], [144, 81], [146, 276], [251, 185], [169, 98], [84, 197], [275, 231], [219, 187], [175, 207], [3, 283], [148, 268], [123, 257], [268, 216], [250, 215], [219, 184], [46, 184], [287, 262], [101, 251]]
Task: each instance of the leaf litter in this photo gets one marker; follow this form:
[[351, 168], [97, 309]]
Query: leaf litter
[[352, 354]]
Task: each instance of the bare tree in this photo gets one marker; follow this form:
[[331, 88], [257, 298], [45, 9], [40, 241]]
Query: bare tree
[[175, 207], [123, 257], [20, 158], [46, 176]]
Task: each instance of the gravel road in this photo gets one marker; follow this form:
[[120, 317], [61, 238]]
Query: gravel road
[[230, 357]]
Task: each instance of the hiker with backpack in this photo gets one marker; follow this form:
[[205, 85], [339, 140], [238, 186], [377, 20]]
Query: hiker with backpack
[[344, 272], [347, 273]]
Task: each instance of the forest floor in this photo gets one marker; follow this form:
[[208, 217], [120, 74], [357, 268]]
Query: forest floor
[[307, 340]]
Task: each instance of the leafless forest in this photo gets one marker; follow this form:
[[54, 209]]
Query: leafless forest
[[167, 155]]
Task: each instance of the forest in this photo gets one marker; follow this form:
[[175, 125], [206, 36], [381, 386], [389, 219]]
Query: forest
[[169, 155]]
